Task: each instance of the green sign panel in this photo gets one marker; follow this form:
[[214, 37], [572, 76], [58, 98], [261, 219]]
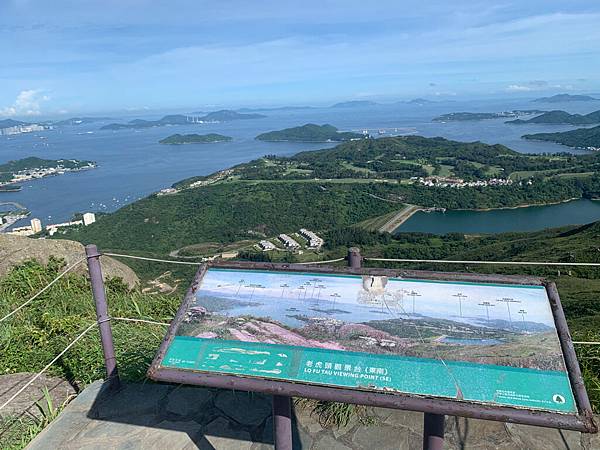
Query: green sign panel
[[490, 343]]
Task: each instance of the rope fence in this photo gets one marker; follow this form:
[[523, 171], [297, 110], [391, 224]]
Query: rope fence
[[152, 322], [39, 374], [144, 258]]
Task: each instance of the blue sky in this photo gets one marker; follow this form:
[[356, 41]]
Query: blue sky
[[72, 56]]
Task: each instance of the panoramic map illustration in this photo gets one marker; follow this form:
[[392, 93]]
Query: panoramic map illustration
[[374, 332]]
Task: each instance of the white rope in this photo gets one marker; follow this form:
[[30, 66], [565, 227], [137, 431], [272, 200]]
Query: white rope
[[585, 343], [67, 270], [504, 263], [323, 262], [39, 374], [126, 319], [189, 263]]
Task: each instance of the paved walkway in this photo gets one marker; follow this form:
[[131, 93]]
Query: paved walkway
[[155, 416]]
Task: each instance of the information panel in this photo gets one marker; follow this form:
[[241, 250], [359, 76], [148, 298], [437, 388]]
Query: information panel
[[494, 344]]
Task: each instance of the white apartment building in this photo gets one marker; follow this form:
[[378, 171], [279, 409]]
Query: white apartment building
[[288, 242]]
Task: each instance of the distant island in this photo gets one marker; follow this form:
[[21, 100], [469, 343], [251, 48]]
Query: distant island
[[565, 98], [27, 169], [179, 139], [79, 121], [419, 101], [310, 133], [277, 108], [586, 138], [467, 116], [562, 117], [224, 115], [354, 104]]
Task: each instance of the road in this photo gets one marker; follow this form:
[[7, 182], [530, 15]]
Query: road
[[399, 218]]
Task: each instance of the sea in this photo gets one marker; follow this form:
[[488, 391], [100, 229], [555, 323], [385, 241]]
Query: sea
[[132, 164]]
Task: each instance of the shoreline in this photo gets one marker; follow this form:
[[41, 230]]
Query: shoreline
[[527, 205], [407, 213]]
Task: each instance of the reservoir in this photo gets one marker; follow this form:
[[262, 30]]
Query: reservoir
[[504, 220]]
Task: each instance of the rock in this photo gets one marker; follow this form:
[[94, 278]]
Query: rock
[[535, 437], [186, 400], [25, 404], [16, 249], [410, 420], [244, 407], [326, 442], [477, 434], [223, 437], [380, 437], [131, 401]]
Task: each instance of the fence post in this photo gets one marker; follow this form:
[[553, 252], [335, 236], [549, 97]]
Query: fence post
[[433, 431], [282, 422], [354, 258], [108, 348]]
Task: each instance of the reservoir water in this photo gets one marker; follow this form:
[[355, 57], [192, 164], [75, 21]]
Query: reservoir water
[[504, 220], [131, 163]]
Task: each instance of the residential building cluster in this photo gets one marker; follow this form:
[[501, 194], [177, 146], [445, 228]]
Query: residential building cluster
[[460, 183], [314, 241], [34, 173], [288, 242], [266, 246], [18, 129], [35, 226]]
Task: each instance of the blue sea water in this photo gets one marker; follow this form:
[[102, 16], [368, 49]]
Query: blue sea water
[[131, 163]]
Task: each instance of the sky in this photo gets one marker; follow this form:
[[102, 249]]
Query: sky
[[433, 299], [77, 56]]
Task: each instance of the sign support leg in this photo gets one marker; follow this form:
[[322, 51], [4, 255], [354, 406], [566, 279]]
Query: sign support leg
[[433, 431], [108, 348], [282, 422]]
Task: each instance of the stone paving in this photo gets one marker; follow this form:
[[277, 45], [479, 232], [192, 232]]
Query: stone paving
[[24, 406], [160, 416]]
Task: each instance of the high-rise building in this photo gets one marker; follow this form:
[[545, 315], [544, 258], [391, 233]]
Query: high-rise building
[[36, 225], [89, 218]]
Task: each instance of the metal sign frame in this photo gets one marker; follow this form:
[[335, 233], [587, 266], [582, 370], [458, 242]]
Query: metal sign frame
[[582, 421]]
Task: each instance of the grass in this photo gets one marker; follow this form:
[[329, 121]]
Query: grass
[[334, 414]]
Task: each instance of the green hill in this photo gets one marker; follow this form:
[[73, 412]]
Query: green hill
[[325, 189], [581, 138], [309, 133], [178, 139], [561, 117]]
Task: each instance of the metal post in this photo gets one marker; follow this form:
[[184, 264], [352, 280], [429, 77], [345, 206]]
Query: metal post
[[433, 431], [282, 422], [354, 258], [108, 348]]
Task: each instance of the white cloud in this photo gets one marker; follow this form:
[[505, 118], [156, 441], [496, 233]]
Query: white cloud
[[27, 103], [518, 88]]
